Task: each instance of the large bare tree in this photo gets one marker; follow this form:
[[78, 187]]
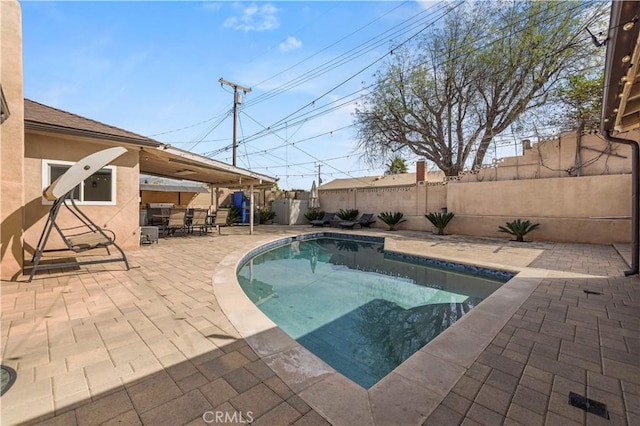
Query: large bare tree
[[447, 95]]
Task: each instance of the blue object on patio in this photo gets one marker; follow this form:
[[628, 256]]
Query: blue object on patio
[[242, 204]]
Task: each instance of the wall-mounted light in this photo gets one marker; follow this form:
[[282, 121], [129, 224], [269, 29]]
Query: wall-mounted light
[[628, 25], [626, 58]]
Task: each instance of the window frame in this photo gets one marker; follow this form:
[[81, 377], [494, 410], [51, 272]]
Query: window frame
[[46, 181]]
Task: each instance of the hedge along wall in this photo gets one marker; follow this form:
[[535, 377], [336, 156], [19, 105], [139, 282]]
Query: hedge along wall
[[589, 209]]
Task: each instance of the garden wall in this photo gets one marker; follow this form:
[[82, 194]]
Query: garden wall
[[587, 209]]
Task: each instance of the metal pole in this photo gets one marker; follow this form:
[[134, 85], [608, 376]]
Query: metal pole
[[235, 124], [235, 110], [251, 210]]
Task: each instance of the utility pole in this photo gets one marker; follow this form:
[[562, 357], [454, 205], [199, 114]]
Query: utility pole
[[319, 179], [237, 100]]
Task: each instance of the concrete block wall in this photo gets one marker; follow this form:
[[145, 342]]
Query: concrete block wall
[[588, 209]]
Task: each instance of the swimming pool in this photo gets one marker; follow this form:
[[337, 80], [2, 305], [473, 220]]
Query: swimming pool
[[359, 311]]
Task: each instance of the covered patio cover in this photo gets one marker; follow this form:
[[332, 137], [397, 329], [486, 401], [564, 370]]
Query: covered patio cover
[[175, 163]]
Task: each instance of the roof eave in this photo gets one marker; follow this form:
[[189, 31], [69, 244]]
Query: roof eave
[[34, 125], [620, 76]]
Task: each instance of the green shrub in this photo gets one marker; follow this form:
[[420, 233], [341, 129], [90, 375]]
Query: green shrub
[[234, 215], [348, 214], [266, 215], [314, 214], [392, 219], [519, 228], [440, 220]]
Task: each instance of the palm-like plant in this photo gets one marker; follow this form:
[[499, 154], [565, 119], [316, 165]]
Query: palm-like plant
[[234, 215], [347, 214], [392, 219], [314, 214], [519, 228], [266, 215], [397, 165], [440, 220]]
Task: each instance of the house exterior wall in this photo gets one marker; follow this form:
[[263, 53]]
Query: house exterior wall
[[556, 157], [121, 218], [11, 141]]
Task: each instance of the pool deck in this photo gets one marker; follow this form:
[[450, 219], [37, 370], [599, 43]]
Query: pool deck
[[172, 339]]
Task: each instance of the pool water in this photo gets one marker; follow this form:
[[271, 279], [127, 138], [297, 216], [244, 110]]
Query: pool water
[[359, 312]]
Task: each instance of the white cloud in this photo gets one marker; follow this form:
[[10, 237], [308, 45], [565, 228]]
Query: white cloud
[[255, 18], [291, 43]]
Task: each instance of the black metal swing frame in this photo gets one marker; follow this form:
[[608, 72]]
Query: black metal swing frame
[[90, 238]]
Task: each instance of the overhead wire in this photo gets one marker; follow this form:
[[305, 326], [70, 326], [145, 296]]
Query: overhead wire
[[349, 55], [265, 80], [273, 129]]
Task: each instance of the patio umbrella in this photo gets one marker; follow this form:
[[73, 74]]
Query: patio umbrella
[[314, 202]]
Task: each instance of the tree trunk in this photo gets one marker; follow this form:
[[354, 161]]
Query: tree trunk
[[578, 164]]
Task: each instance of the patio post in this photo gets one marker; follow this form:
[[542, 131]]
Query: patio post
[[251, 199]]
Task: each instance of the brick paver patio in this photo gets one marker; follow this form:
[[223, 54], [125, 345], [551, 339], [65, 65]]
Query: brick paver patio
[[152, 345]]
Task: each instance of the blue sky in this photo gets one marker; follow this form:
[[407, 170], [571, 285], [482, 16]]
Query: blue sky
[[153, 68]]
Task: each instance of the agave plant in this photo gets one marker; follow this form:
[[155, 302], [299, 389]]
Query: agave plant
[[314, 214], [440, 220], [347, 214], [392, 219], [518, 228]]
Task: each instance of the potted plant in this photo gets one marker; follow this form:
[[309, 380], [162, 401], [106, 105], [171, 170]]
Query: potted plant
[[519, 228], [440, 220], [392, 219], [348, 215]]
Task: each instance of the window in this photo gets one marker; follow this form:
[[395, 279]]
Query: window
[[97, 189]]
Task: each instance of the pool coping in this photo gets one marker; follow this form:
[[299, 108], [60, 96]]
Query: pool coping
[[424, 379]]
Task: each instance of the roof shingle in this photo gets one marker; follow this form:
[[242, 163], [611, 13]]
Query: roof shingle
[[42, 117]]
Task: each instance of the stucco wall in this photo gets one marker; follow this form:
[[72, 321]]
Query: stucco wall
[[593, 209], [556, 157], [407, 199], [11, 141], [121, 218], [589, 209]]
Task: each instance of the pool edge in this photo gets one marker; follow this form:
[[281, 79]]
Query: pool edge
[[337, 398]]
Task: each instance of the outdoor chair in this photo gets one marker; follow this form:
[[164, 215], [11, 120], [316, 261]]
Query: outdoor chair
[[84, 235], [222, 216], [199, 221], [326, 220], [177, 221], [364, 221]]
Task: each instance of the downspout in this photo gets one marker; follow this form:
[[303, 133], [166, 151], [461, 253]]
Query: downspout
[[635, 199]]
